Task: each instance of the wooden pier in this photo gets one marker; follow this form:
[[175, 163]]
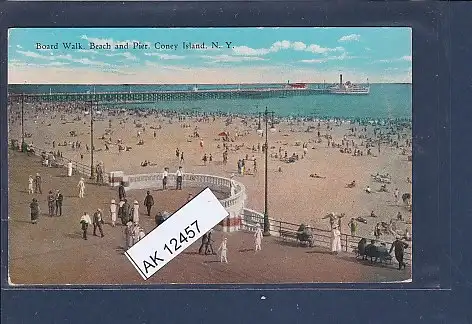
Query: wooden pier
[[177, 95]]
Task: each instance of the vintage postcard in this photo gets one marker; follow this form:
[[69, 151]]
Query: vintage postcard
[[304, 136]]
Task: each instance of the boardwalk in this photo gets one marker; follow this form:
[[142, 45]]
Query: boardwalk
[[52, 251]]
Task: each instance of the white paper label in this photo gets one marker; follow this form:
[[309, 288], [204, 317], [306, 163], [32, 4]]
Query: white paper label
[[177, 233]]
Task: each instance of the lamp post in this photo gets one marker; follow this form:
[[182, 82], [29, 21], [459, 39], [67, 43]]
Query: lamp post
[[92, 173], [266, 148]]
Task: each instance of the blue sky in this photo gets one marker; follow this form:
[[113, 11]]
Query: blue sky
[[255, 55]]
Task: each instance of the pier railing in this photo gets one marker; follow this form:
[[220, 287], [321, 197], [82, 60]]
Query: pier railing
[[321, 237], [167, 95], [143, 181]]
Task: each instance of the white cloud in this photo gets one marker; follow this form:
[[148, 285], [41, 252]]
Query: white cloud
[[228, 58], [66, 57], [350, 38], [88, 51], [406, 58], [166, 56], [244, 50], [299, 46], [126, 55], [285, 45], [313, 61], [35, 55]]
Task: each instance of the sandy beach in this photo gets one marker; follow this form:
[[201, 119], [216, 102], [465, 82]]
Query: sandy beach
[[294, 196]]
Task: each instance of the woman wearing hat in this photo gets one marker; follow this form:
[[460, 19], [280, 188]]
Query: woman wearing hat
[[135, 212], [34, 206], [258, 237], [113, 212], [129, 234], [335, 240], [232, 185], [81, 186], [223, 249]]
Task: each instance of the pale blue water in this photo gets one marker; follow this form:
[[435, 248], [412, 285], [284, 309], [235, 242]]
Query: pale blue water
[[384, 101]]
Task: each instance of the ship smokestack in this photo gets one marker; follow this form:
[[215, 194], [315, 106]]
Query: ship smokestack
[[340, 79]]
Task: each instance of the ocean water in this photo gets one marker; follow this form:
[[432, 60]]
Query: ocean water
[[384, 101]]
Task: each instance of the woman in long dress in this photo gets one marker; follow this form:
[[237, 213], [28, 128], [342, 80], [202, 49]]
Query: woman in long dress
[[232, 186], [258, 238], [335, 240], [81, 186], [30, 185], [113, 212], [34, 206], [136, 212], [69, 169], [129, 234]]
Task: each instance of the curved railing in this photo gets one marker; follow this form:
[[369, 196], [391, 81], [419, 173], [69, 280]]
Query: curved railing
[[143, 181]]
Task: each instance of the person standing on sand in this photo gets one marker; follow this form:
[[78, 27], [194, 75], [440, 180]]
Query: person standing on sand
[[81, 186], [209, 243], [97, 222], [129, 234], [399, 247], [352, 226], [113, 212], [179, 175], [335, 240], [37, 184], [181, 157], [34, 206], [85, 221], [51, 203], [125, 217], [59, 199], [30, 185], [255, 167], [121, 191], [69, 169], [258, 238], [165, 174], [135, 212], [148, 202], [396, 194], [224, 250], [204, 242]]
